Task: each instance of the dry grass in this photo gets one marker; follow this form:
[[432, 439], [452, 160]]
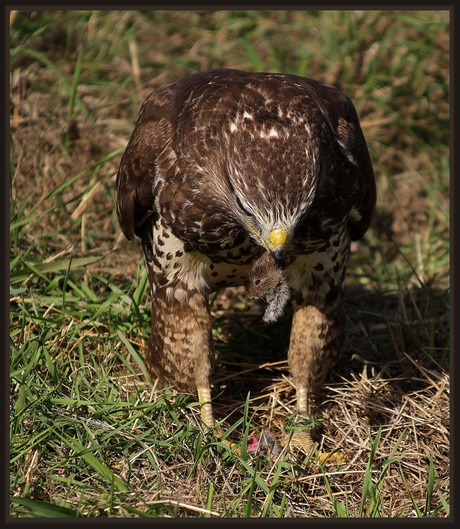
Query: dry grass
[[90, 435]]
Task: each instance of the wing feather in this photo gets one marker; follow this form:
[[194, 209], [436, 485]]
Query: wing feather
[[342, 117], [137, 174]]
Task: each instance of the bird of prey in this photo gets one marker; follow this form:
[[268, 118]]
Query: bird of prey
[[226, 169]]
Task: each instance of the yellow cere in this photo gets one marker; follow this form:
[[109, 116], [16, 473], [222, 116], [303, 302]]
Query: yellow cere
[[277, 237]]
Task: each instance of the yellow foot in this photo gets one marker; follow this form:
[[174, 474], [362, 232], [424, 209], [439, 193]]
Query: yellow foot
[[302, 440], [234, 446], [267, 443]]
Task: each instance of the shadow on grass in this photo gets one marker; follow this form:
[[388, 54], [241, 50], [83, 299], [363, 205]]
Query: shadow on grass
[[400, 337]]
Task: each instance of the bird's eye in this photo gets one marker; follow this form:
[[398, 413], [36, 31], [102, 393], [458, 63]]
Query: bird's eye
[[257, 282]]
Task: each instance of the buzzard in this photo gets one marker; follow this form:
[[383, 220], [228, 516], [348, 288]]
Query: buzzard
[[232, 177]]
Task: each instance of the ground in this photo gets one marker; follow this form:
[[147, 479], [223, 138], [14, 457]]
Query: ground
[[90, 434]]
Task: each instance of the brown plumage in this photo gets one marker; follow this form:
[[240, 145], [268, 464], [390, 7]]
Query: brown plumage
[[222, 167]]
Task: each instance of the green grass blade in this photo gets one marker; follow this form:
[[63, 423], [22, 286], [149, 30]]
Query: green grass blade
[[141, 289], [429, 488], [444, 502], [41, 269], [134, 354], [368, 491], [273, 487], [411, 496], [209, 498], [85, 454], [44, 509]]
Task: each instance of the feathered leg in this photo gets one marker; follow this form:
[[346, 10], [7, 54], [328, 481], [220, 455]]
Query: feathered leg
[[318, 323], [181, 351], [316, 337]]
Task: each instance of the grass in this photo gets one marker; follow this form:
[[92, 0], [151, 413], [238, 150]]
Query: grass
[[90, 434]]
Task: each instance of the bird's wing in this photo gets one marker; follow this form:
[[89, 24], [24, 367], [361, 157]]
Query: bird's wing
[[137, 174], [341, 115]]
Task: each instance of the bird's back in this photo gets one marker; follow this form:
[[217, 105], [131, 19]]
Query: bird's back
[[220, 150]]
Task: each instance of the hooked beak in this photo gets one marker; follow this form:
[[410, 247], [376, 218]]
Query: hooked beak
[[277, 241], [279, 255]]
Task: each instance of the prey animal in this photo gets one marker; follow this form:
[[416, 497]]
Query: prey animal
[[268, 282]]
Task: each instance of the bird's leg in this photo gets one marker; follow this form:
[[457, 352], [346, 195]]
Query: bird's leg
[[207, 416], [181, 350], [204, 398], [314, 349], [302, 401], [318, 322]]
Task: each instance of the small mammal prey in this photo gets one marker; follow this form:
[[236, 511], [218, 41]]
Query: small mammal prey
[[268, 282]]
